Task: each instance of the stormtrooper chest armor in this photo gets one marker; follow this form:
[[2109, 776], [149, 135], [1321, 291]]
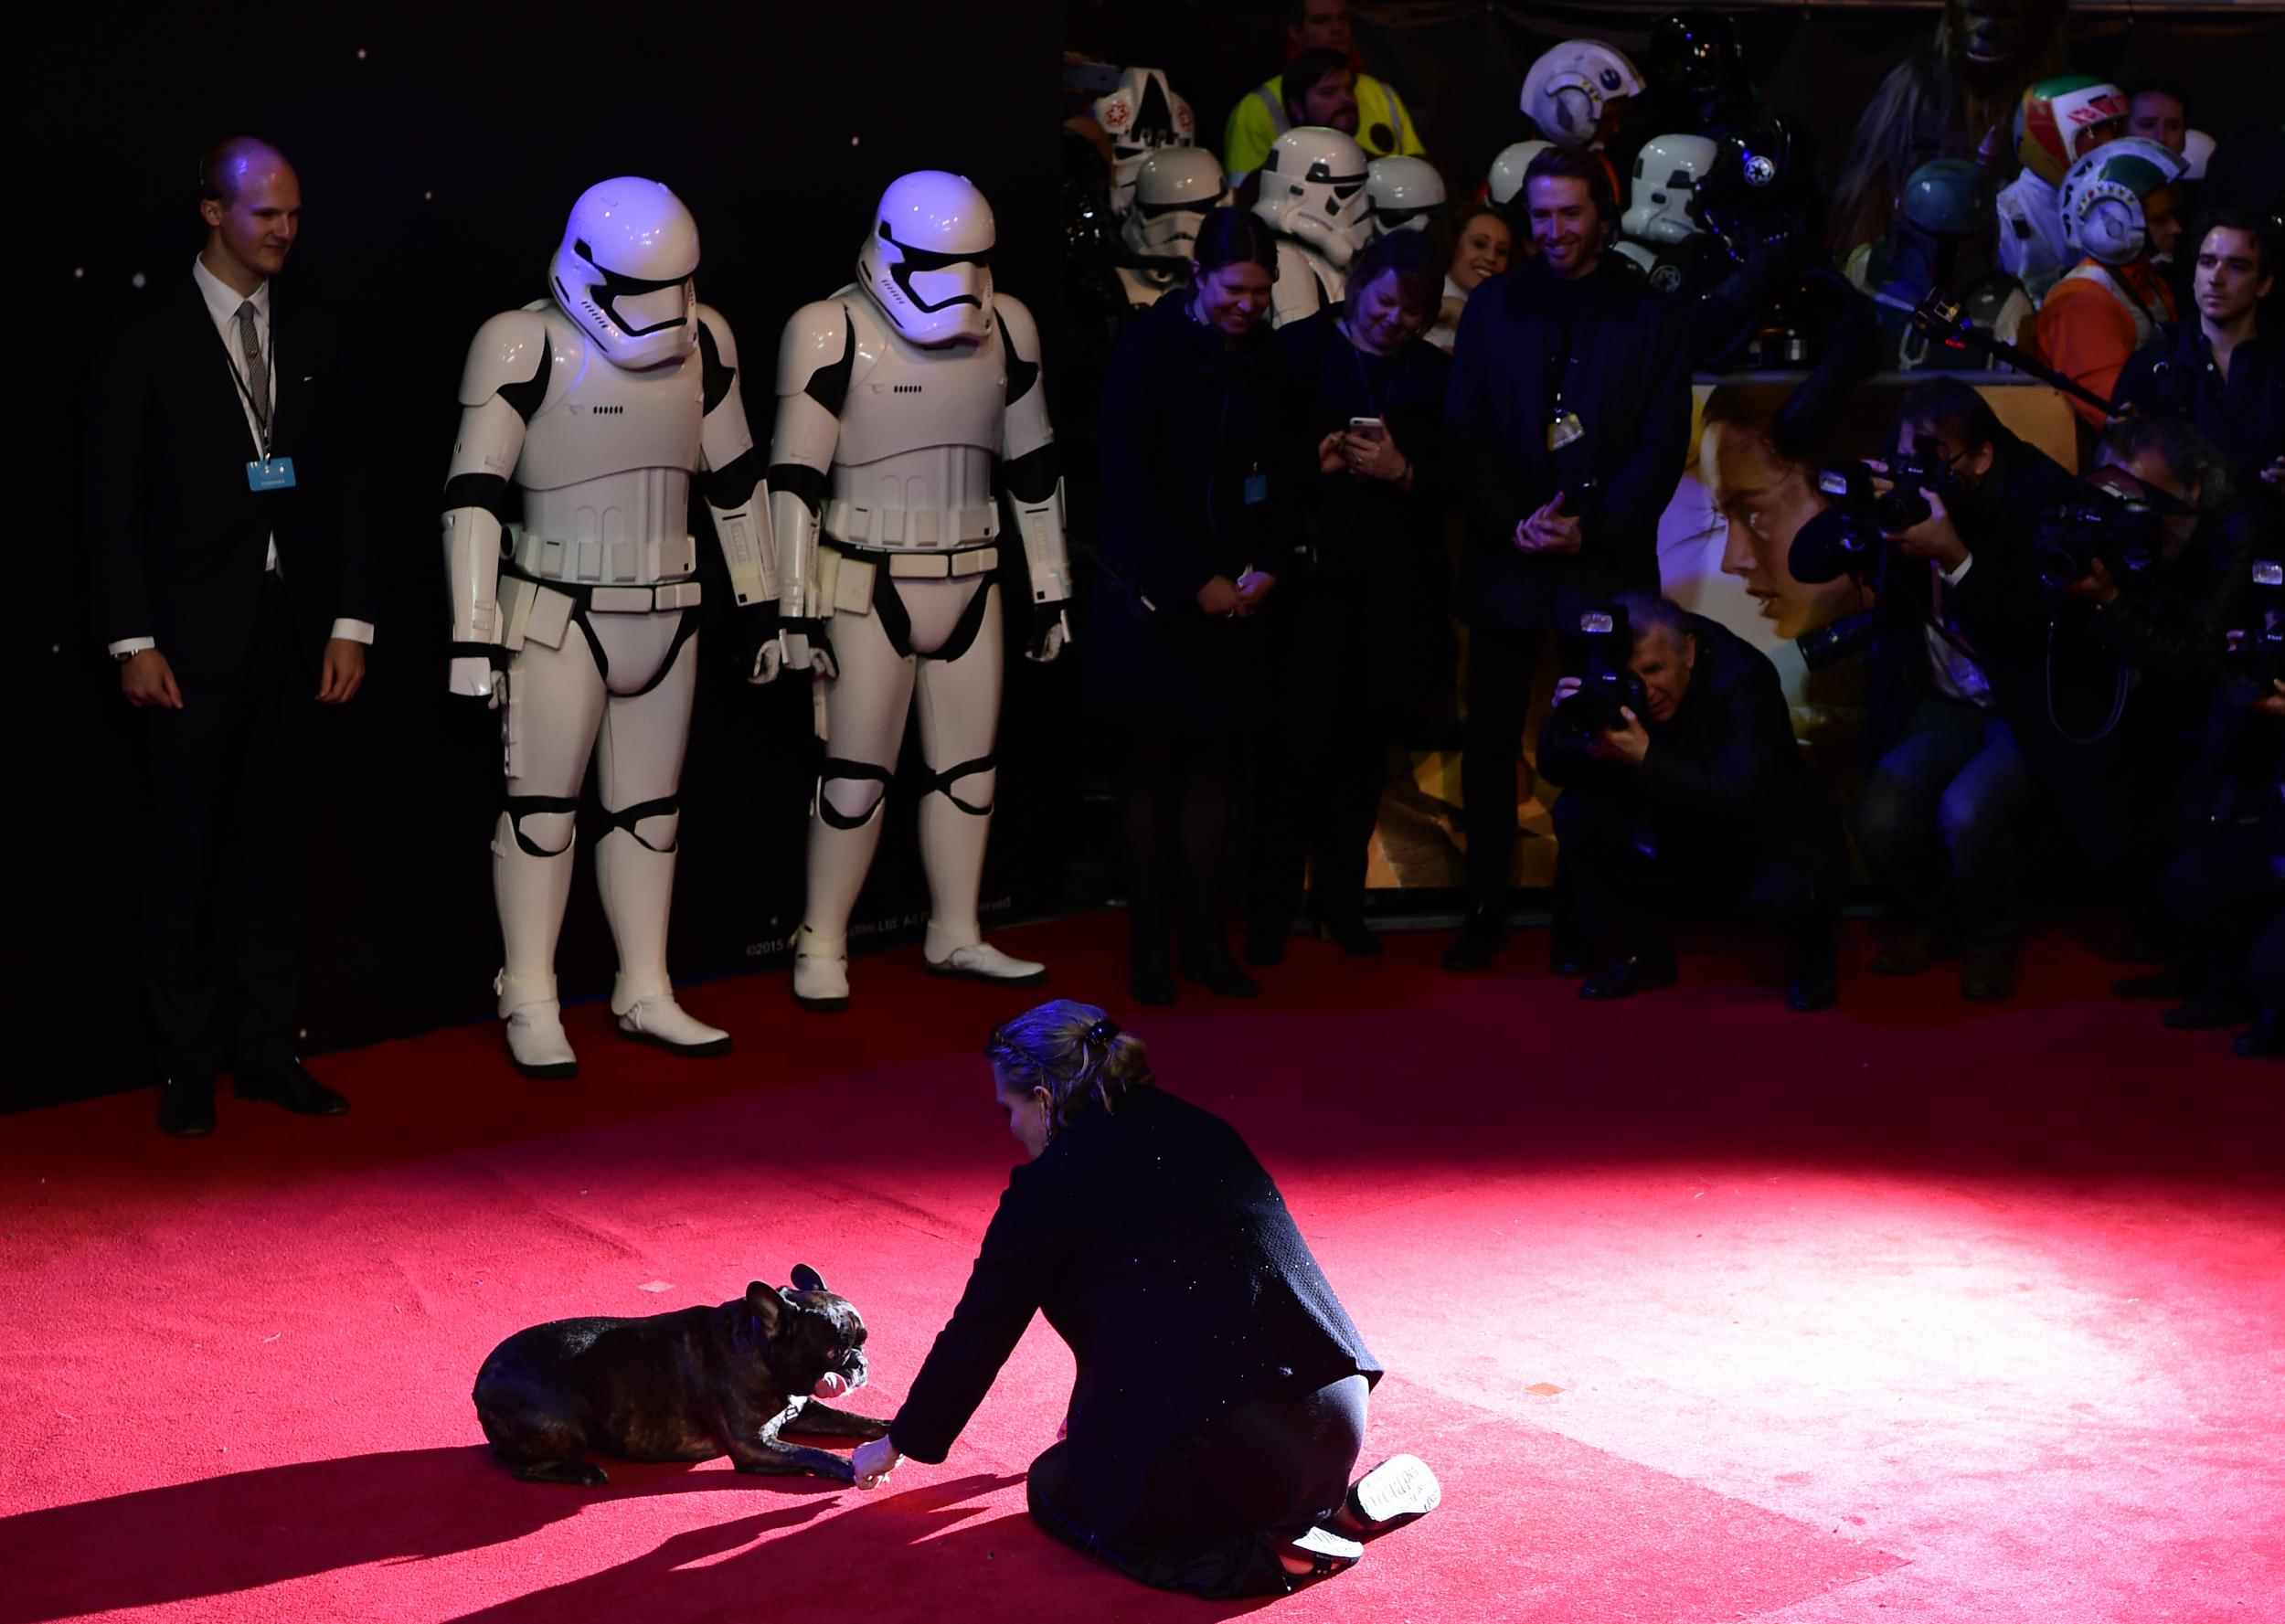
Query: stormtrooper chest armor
[[919, 429], [606, 465]]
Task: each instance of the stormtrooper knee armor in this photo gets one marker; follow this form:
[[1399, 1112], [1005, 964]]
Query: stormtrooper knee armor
[[895, 395], [575, 593], [1313, 197]]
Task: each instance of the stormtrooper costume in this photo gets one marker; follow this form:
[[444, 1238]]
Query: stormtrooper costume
[[1175, 189], [1661, 213], [1313, 197], [1141, 115], [574, 589], [1408, 194], [1506, 183], [894, 396]]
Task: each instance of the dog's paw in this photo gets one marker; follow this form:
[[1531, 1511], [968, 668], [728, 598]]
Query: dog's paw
[[838, 1469]]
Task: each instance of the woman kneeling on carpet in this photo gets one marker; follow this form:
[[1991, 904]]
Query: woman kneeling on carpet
[[1219, 1402]]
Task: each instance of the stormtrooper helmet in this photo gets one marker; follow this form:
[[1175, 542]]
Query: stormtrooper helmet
[[1407, 192], [1174, 188], [2198, 152], [624, 272], [1141, 115], [1312, 190], [1506, 182], [2102, 197], [927, 259], [1662, 202], [1567, 91]]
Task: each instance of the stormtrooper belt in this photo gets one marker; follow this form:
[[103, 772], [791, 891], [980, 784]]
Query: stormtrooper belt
[[596, 598], [940, 564]]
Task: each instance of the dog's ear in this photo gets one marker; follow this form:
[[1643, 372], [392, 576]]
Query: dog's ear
[[768, 1305], [806, 1279]]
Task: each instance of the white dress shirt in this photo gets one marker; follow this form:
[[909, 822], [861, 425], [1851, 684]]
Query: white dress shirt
[[222, 302]]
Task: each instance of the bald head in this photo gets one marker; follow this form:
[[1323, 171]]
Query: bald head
[[251, 201]]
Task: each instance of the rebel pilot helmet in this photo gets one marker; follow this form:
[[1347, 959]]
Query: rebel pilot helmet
[[624, 272], [2064, 119], [1569, 90], [927, 259], [2103, 197]]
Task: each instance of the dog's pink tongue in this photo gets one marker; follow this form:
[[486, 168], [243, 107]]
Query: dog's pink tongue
[[832, 1385]]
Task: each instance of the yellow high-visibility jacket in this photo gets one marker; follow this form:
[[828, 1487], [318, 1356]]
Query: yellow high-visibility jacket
[[1384, 124]]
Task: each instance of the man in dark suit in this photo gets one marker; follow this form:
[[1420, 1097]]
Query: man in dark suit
[[1706, 792], [229, 593], [1569, 417]]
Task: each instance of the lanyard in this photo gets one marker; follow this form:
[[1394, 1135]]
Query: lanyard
[[262, 415]]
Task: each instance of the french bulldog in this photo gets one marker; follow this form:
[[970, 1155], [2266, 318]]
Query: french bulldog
[[686, 1385]]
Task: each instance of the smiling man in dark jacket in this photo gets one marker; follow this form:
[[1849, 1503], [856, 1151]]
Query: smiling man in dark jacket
[[1569, 418]]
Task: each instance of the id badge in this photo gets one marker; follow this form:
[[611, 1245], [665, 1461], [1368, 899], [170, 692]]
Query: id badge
[[269, 474], [1566, 429], [1257, 489]]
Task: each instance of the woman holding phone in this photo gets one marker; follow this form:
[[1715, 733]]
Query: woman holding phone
[[1199, 477], [1365, 635]]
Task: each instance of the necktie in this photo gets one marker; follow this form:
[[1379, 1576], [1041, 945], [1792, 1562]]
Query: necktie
[[257, 370]]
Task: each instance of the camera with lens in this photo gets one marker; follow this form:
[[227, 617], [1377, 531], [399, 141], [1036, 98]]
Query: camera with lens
[[1843, 640], [2118, 524], [1607, 683], [2255, 653], [1844, 539]]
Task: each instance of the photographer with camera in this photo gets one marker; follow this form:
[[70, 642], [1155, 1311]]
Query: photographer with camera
[[1954, 678], [1675, 752], [1569, 419], [2160, 552]]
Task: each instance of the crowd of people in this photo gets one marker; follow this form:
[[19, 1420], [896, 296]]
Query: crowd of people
[[1324, 350]]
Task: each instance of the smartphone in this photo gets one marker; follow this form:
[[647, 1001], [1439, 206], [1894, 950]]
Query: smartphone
[[1369, 429]]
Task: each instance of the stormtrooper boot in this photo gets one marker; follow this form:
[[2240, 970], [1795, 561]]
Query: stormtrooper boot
[[530, 885], [952, 839], [636, 878], [820, 971]]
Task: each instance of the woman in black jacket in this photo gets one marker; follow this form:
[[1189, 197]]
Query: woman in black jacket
[[1219, 1400], [1196, 533], [1365, 634]]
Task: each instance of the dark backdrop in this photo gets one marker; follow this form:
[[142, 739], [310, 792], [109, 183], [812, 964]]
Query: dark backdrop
[[439, 151]]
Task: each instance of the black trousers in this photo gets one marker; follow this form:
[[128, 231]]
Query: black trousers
[[224, 836], [1612, 851], [1185, 795], [1218, 1502], [2222, 894], [1340, 697], [1502, 662]]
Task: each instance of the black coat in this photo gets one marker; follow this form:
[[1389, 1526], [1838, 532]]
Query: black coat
[[1723, 777], [1374, 546], [1191, 428], [1159, 1251], [1997, 607], [2243, 415], [1630, 386], [178, 537]]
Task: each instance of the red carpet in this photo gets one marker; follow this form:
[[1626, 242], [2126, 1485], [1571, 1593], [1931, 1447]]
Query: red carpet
[[1701, 1310]]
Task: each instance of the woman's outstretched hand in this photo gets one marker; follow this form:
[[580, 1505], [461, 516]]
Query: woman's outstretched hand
[[874, 1459]]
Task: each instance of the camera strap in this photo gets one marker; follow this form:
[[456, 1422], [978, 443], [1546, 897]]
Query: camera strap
[[2118, 700]]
